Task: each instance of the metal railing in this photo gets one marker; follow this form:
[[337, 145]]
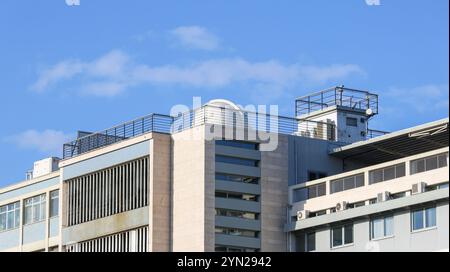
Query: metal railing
[[373, 133], [150, 123], [337, 96], [205, 115]]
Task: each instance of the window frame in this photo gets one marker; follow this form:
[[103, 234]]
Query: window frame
[[41, 202], [384, 236], [424, 162], [343, 236], [15, 211], [423, 211], [50, 206]]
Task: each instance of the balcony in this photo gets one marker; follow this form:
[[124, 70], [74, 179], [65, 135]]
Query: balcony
[[395, 177]]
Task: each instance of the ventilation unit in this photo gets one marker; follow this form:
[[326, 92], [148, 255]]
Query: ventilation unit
[[381, 197], [418, 188], [340, 206], [302, 215]]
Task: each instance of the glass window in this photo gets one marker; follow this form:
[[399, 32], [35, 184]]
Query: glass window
[[429, 163], [347, 183], [35, 209], [423, 218], [9, 216], [337, 236], [387, 173], [430, 217], [352, 122], [54, 203], [417, 218], [311, 241], [237, 232], [238, 161], [382, 227], [239, 214], [348, 234], [316, 190], [239, 144], [342, 235], [235, 178], [300, 194]]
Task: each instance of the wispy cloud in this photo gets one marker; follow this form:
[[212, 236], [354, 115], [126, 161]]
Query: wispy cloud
[[47, 141], [421, 99], [111, 74], [195, 37]]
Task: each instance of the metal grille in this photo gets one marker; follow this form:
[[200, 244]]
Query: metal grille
[[107, 192], [129, 241]]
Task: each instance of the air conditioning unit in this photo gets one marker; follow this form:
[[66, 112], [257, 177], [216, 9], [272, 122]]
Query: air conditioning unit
[[302, 215], [381, 197], [418, 188], [340, 206]]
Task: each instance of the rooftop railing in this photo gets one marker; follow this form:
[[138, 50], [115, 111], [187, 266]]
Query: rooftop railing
[[205, 115], [373, 133], [337, 96]]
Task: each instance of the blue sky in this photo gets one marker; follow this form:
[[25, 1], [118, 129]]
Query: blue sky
[[88, 67]]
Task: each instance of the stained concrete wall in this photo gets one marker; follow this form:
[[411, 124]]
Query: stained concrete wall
[[193, 191], [274, 194], [160, 189]]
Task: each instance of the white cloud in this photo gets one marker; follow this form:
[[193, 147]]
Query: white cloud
[[111, 74], [421, 99], [195, 37], [47, 141]]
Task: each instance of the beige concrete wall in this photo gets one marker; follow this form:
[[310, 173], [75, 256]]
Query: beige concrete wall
[[193, 191], [274, 193], [159, 189]]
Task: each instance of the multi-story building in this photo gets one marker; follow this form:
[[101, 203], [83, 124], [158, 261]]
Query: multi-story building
[[220, 178]]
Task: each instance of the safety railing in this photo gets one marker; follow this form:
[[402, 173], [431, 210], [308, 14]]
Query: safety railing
[[205, 115], [337, 96]]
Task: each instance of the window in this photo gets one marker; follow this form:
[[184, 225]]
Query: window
[[54, 203], [317, 213], [309, 192], [316, 190], [234, 178], [10, 216], [429, 163], [237, 232], [238, 214], [423, 218], [382, 227], [234, 160], [436, 187], [347, 183], [356, 204], [238, 144], [313, 175], [300, 194], [34, 209], [246, 197], [352, 122], [387, 173], [220, 248], [342, 235], [306, 242]]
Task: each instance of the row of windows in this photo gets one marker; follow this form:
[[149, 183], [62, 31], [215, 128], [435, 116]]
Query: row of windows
[[223, 248], [387, 173], [238, 161], [380, 227], [240, 196], [375, 176], [34, 211], [238, 214], [347, 183], [429, 163], [237, 232], [238, 144], [107, 192], [235, 178]]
